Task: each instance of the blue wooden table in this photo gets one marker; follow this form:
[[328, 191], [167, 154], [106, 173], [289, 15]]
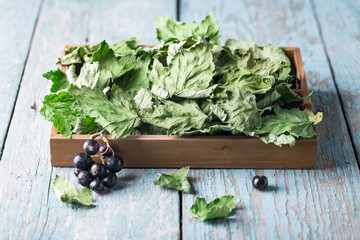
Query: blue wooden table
[[300, 204]]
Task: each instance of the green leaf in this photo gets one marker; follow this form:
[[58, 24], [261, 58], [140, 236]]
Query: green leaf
[[168, 28], [125, 47], [84, 197], [204, 93], [212, 130], [275, 53], [278, 140], [63, 110], [136, 78], [218, 208], [189, 73], [242, 47], [288, 95], [143, 99], [176, 180], [177, 47], [239, 110], [243, 78], [76, 54], [284, 74], [269, 98], [279, 95], [176, 118], [223, 59], [268, 66], [159, 92], [287, 121], [59, 80], [86, 125], [121, 98], [110, 66], [71, 74], [148, 129], [89, 76], [192, 70], [111, 115], [315, 119], [66, 192]]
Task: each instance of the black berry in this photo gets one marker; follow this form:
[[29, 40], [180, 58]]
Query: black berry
[[83, 161], [97, 185], [77, 171], [260, 182], [114, 163], [98, 170], [109, 180], [105, 150], [85, 178], [91, 146]]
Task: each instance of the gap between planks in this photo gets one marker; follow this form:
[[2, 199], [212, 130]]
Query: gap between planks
[[178, 4], [180, 215], [347, 121], [21, 78]]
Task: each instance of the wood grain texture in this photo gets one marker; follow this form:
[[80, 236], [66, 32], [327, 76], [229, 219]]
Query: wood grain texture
[[125, 19], [17, 21], [136, 209], [194, 151], [341, 35], [301, 204]]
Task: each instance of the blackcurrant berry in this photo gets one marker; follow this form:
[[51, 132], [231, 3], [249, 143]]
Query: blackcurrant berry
[[114, 163], [260, 182], [91, 146], [98, 170], [109, 180], [85, 178], [105, 150], [77, 171], [83, 161], [106, 190], [97, 185]]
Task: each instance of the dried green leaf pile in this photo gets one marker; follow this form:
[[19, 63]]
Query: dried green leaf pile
[[187, 85]]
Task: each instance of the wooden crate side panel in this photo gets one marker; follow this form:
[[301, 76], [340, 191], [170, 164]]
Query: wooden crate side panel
[[196, 152]]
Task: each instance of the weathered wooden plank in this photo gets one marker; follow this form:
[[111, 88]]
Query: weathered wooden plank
[[342, 41], [136, 209], [302, 204], [127, 19], [17, 21]]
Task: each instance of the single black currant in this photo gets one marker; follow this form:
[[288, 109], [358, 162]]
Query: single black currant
[[109, 180], [83, 161], [105, 151], [91, 146], [114, 163], [106, 190], [77, 171], [260, 182], [98, 170], [97, 185], [85, 178]]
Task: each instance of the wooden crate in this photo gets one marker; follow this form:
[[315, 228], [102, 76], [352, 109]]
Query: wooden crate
[[200, 151]]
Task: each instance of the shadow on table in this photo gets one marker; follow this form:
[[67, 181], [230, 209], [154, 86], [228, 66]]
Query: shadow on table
[[125, 181]]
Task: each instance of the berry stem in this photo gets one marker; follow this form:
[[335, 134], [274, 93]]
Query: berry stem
[[97, 134]]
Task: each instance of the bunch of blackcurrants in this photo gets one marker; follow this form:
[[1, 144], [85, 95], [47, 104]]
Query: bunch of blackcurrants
[[99, 177]]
